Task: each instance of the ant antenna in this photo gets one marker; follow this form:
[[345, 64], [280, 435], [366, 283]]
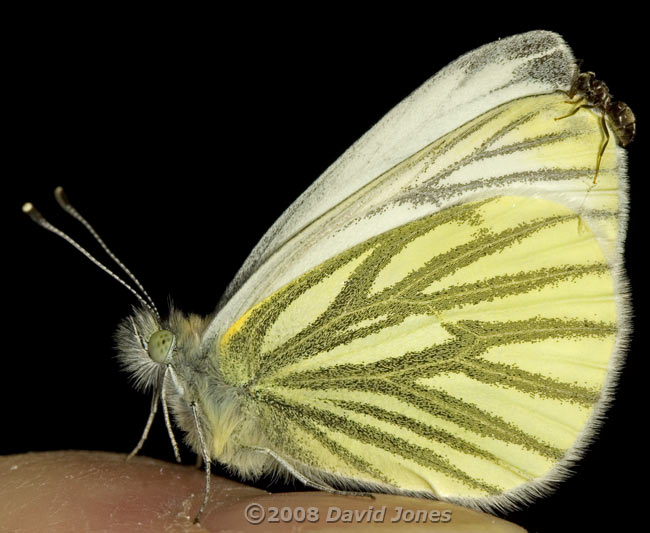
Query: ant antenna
[[37, 217]]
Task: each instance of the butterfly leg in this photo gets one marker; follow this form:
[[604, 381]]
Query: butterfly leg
[[147, 427], [292, 470], [306, 481], [168, 423], [206, 460], [154, 401]]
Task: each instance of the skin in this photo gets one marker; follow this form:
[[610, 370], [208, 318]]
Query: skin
[[96, 491]]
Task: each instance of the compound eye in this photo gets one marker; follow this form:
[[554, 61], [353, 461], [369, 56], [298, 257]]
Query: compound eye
[[161, 344]]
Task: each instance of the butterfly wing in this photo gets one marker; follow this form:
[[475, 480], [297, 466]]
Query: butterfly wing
[[471, 254], [460, 355]]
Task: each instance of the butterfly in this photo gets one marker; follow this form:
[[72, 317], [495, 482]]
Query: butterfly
[[441, 314]]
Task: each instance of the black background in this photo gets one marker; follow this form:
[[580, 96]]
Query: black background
[[182, 137]]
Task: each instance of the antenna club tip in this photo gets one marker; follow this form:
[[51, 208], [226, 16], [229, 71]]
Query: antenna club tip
[[60, 196], [33, 213]]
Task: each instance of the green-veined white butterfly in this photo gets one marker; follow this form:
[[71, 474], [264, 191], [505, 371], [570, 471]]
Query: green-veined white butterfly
[[451, 228]]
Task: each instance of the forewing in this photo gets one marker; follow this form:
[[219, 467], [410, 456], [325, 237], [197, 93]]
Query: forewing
[[531, 63]]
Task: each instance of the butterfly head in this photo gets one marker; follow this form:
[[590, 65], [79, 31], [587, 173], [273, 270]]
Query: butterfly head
[[145, 346], [148, 346]]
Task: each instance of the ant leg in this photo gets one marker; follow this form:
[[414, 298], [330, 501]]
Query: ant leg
[[575, 109], [603, 126]]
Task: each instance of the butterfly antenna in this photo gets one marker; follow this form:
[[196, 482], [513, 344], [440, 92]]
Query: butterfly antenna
[[65, 204], [36, 216]]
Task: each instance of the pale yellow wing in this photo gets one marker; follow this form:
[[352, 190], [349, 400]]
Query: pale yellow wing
[[462, 355]]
